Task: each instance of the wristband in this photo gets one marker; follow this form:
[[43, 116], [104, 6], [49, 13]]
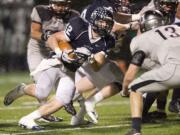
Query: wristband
[[58, 52], [135, 17]]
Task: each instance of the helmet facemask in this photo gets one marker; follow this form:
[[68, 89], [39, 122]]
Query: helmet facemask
[[60, 7], [102, 21]]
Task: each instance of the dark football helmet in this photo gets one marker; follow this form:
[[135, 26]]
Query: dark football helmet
[[151, 19], [102, 21], [120, 5], [168, 8], [60, 7]]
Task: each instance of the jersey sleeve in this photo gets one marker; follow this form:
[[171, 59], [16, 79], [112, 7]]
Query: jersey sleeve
[[139, 43], [35, 16], [73, 28]]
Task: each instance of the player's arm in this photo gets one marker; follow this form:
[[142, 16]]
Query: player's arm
[[136, 62], [178, 11], [98, 60], [126, 18], [54, 39], [36, 30]]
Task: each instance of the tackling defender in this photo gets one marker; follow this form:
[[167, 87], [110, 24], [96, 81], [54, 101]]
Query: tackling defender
[[46, 20], [166, 54]]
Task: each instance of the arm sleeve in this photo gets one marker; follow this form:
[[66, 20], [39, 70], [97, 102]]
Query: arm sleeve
[[35, 16], [138, 58]]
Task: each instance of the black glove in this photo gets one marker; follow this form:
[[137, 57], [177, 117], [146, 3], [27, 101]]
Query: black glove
[[45, 35], [65, 57]]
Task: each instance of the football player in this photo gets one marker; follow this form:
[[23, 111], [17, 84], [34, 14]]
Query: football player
[[46, 20], [86, 39], [168, 8], [166, 54]]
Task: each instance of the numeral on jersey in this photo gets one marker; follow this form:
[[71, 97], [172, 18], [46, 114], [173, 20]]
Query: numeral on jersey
[[168, 32], [68, 29]]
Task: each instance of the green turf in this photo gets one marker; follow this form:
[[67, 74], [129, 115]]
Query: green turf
[[114, 116]]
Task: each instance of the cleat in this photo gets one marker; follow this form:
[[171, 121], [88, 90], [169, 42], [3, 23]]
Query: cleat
[[14, 94], [157, 115], [69, 108], [148, 119], [50, 118], [91, 112], [29, 124], [76, 121], [133, 132], [174, 106]]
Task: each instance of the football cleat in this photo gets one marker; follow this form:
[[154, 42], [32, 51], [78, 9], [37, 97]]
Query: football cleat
[[157, 115], [29, 124], [89, 106], [69, 108], [76, 121], [133, 132], [50, 118], [14, 94], [174, 106]]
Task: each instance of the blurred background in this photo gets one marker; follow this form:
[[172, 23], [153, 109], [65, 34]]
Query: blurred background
[[14, 31], [15, 28]]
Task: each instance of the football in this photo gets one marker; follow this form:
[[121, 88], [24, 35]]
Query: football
[[65, 46]]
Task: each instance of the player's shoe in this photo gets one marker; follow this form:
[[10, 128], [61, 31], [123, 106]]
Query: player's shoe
[[133, 132], [50, 118], [76, 121], [69, 108], [89, 106], [174, 106], [15, 93], [26, 123], [157, 115]]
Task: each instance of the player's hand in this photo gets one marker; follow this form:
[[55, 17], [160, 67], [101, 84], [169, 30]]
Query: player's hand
[[82, 51], [124, 93], [67, 56], [45, 35], [134, 25]]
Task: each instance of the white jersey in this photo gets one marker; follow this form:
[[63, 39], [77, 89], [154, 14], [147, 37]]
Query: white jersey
[[161, 45], [150, 6], [43, 15]]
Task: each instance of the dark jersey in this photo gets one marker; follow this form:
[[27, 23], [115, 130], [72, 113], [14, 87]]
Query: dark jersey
[[86, 13], [79, 33]]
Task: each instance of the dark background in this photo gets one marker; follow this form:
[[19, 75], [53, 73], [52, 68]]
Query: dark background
[[15, 27]]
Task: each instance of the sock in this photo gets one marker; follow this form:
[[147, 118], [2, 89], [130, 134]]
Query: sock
[[136, 123], [82, 110], [175, 95], [34, 115], [161, 102], [148, 101], [96, 98]]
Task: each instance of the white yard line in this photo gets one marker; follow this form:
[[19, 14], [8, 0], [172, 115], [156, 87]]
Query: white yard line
[[73, 129]]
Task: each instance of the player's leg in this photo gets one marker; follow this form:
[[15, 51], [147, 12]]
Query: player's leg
[[39, 91], [106, 92], [63, 96], [83, 84], [161, 105], [150, 82], [174, 105]]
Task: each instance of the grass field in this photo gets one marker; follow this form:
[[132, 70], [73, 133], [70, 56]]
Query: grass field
[[114, 116]]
